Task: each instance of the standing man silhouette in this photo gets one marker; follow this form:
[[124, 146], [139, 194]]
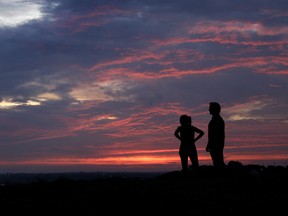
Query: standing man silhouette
[[216, 135], [186, 134]]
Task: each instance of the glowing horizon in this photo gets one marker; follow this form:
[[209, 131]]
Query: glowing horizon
[[103, 84]]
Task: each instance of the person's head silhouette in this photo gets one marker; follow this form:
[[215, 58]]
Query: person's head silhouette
[[184, 120], [214, 108]]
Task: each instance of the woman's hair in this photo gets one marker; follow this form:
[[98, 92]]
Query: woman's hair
[[184, 119]]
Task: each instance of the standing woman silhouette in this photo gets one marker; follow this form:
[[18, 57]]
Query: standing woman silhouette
[[186, 134]]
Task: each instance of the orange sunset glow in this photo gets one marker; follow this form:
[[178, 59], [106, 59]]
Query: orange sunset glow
[[101, 85]]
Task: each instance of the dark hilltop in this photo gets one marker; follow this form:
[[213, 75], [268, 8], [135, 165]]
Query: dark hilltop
[[236, 190]]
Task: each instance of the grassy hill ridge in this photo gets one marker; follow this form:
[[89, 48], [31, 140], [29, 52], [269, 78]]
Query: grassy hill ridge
[[237, 190]]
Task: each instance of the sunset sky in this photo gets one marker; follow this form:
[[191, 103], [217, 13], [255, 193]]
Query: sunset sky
[[99, 85]]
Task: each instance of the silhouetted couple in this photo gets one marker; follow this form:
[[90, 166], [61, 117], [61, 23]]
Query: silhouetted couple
[[216, 138]]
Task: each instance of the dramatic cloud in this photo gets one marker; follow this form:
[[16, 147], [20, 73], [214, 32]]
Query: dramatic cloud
[[100, 85], [15, 12]]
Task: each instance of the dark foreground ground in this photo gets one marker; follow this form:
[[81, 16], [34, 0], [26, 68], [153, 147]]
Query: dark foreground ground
[[237, 190]]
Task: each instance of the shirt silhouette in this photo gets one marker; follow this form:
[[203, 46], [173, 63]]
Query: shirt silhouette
[[186, 134], [216, 135]]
